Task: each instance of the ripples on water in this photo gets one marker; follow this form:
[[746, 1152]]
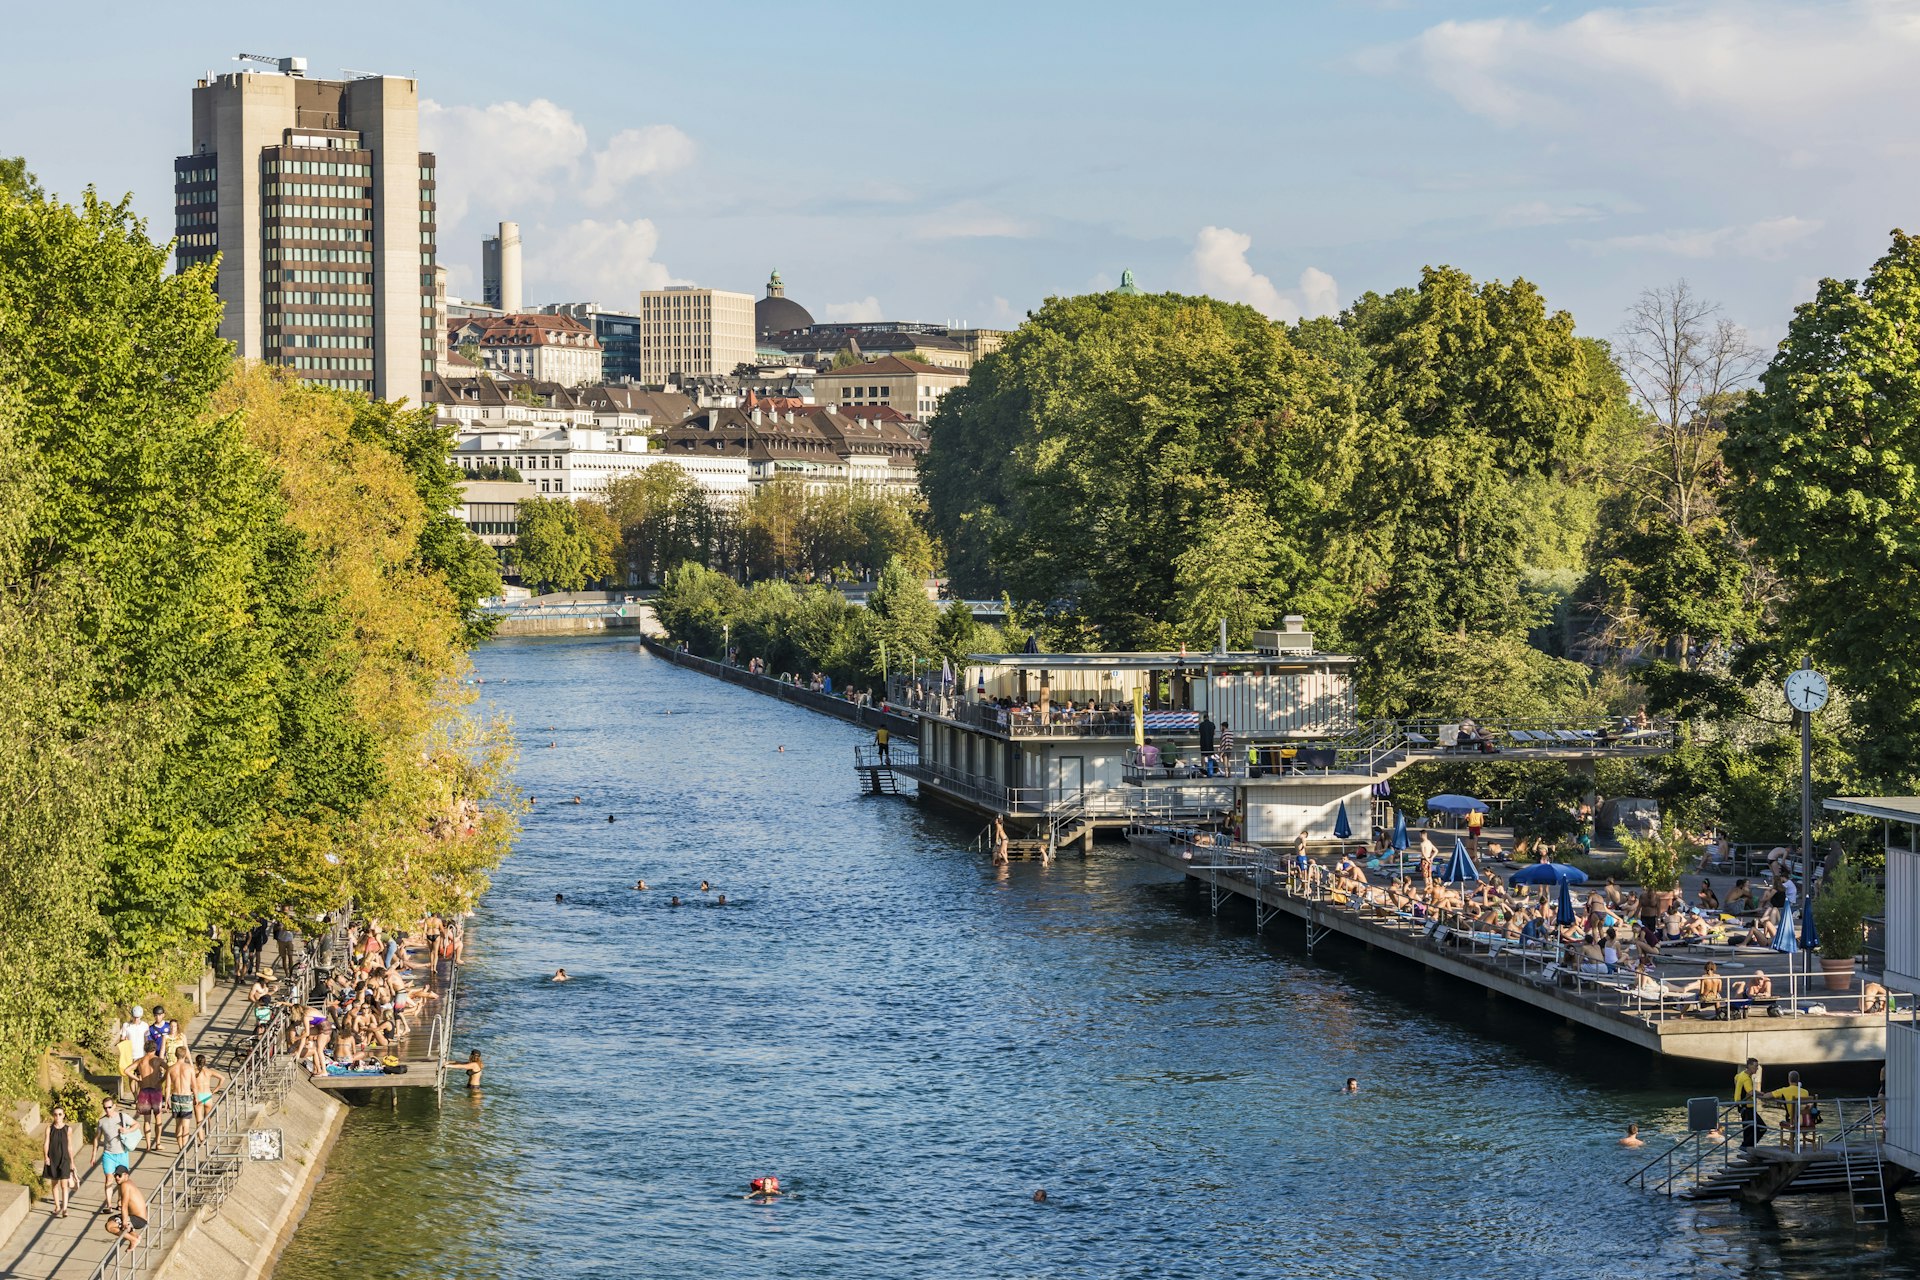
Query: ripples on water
[[914, 1043]]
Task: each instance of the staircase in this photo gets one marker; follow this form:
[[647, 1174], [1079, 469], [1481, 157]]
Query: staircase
[[875, 769]]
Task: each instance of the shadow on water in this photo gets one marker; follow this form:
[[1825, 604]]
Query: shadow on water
[[915, 1041]]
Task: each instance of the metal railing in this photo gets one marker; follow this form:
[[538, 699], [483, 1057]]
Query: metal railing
[[204, 1172], [1704, 1154]]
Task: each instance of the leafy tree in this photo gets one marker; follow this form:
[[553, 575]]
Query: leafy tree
[[663, 518], [1825, 457], [603, 538], [494, 471], [523, 393], [17, 181], [696, 604], [900, 617], [553, 550]]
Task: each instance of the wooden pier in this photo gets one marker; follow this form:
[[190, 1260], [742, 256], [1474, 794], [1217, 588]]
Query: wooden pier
[[1530, 978]]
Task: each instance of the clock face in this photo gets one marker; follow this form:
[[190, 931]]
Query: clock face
[[1807, 690]]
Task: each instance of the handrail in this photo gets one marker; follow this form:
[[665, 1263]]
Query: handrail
[[204, 1172]]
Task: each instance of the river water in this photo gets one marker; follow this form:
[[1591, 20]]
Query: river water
[[914, 1042]]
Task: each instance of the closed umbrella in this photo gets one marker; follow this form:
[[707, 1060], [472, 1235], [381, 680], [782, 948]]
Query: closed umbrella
[[1400, 830], [946, 672], [1455, 804], [1809, 936], [1565, 914], [1460, 867], [1342, 829]]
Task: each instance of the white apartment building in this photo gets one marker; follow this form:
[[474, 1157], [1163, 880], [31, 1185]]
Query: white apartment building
[[694, 332], [545, 348], [562, 461]]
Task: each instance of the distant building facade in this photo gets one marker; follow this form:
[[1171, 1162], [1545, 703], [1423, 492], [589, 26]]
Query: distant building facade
[[546, 348], [911, 387], [777, 313], [618, 333], [320, 206], [694, 332]]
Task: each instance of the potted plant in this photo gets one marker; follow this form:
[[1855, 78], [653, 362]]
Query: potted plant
[[1840, 912], [1656, 863]]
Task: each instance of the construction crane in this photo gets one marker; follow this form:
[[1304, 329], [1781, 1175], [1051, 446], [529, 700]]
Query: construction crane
[[285, 66]]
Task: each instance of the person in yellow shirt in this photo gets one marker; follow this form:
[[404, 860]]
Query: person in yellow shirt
[[1746, 1087], [1802, 1115], [883, 740]]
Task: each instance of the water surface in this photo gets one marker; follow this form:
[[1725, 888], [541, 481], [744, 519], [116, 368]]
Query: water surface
[[914, 1042]]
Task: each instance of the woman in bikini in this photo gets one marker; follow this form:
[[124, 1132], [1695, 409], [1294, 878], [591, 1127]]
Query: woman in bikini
[[206, 1083]]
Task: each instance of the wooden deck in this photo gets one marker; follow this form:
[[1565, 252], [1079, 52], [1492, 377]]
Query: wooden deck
[[1804, 1040]]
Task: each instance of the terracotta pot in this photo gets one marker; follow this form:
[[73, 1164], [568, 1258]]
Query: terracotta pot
[[1839, 973]]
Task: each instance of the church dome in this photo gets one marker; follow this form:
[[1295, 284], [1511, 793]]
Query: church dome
[[777, 313]]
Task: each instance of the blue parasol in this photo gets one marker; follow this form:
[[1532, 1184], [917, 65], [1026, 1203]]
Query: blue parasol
[[1565, 914], [1548, 873], [1400, 830], [1455, 804], [1809, 936], [1783, 936], [1460, 867], [1342, 829]]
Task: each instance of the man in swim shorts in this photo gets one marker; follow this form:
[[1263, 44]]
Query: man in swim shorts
[[118, 1137], [133, 1210], [149, 1075], [180, 1091]]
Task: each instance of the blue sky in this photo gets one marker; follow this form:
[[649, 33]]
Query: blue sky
[[964, 162]]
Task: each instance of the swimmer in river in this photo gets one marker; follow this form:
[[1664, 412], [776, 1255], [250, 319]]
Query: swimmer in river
[[559, 897], [1633, 1138], [1040, 1196], [722, 902], [781, 748], [675, 902], [639, 884], [609, 817], [472, 1066], [763, 1190], [576, 799], [560, 975], [703, 886], [1352, 1086]]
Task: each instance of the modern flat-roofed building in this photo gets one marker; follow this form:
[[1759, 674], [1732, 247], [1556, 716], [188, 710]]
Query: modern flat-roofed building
[[913, 387], [694, 333], [319, 203]]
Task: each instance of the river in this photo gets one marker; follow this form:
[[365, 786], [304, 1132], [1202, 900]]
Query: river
[[914, 1042]]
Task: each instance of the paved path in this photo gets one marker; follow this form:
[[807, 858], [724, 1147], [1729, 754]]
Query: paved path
[[49, 1248]]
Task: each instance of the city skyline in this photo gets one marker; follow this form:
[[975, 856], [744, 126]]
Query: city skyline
[[1289, 159]]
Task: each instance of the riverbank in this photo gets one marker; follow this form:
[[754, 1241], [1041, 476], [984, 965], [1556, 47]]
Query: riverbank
[[824, 703]]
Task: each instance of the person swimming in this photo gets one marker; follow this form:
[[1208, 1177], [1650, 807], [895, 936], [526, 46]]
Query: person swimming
[[703, 886], [559, 897], [1352, 1086], [1040, 1196], [609, 817], [560, 975], [639, 884], [722, 902], [763, 1190], [576, 799], [675, 902]]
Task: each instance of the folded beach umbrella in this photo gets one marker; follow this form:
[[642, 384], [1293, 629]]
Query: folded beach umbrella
[[1565, 914], [1400, 830], [1809, 936], [1342, 829], [1460, 867], [1783, 936]]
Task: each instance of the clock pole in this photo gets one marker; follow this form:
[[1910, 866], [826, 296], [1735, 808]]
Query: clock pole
[[1806, 804]]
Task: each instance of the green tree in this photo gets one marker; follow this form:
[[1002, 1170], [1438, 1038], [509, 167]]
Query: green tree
[[663, 518], [553, 551], [17, 181], [1825, 457], [900, 617], [696, 605]]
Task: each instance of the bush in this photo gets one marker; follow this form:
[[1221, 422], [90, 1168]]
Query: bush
[[1656, 862], [1840, 910], [82, 1103]]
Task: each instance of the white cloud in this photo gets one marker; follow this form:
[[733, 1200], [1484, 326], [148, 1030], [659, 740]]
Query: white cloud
[[1220, 260], [1769, 67], [508, 153], [637, 153], [591, 261], [861, 312], [971, 223], [512, 156], [1545, 213], [1767, 240]]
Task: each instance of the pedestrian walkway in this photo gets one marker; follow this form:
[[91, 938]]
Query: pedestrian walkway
[[48, 1248]]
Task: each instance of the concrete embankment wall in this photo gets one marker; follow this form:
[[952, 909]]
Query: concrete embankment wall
[[244, 1238], [823, 703], [535, 622]]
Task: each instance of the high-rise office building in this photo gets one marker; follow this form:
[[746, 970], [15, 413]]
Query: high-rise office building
[[697, 332], [500, 269], [318, 201]]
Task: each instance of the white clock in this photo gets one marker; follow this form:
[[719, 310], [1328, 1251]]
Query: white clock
[[1807, 690]]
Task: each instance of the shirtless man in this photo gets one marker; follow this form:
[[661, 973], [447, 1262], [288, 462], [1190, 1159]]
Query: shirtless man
[[1633, 1138], [181, 1086], [133, 1210], [150, 1078]]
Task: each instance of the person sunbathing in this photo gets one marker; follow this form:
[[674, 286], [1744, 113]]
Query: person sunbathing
[[1757, 989]]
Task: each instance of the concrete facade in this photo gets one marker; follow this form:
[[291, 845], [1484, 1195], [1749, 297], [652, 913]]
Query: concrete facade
[[694, 332], [320, 205], [912, 387]]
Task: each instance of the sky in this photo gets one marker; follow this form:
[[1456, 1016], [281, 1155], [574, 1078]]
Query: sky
[[963, 163]]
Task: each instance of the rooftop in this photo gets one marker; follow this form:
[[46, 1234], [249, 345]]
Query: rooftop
[[1886, 808], [892, 364]]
